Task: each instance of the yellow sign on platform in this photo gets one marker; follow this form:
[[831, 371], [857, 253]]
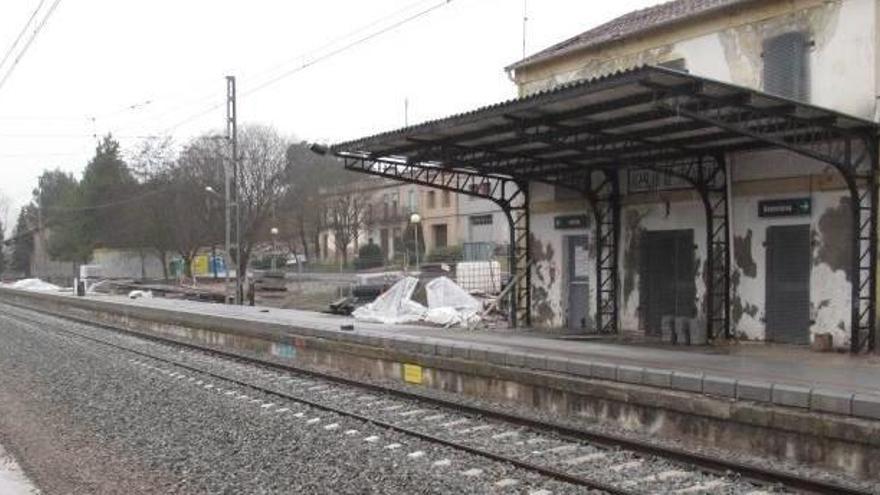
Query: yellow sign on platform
[[412, 373], [200, 265]]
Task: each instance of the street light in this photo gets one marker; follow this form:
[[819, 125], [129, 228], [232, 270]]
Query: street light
[[274, 232], [415, 219], [210, 190]]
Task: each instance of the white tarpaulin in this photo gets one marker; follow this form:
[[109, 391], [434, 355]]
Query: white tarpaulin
[[394, 306], [449, 304], [443, 293]]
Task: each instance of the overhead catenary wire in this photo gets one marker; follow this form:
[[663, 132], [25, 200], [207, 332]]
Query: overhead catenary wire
[[30, 41], [18, 38], [314, 61], [267, 72]]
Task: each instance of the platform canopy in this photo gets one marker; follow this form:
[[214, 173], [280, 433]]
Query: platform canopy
[[581, 135], [642, 116]]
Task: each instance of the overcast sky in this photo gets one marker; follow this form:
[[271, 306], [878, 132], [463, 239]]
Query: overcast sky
[[148, 68]]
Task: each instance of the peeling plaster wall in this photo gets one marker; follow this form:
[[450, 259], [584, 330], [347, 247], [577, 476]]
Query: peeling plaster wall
[[757, 177], [550, 251], [684, 213], [831, 231], [729, 48]]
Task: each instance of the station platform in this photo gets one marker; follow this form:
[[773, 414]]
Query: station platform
[[783, 402], [781, 375]]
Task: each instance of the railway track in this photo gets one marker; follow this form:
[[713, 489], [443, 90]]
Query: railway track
[[595, 461]]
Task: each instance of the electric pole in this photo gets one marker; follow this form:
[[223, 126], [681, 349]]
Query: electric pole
[[232, 190]]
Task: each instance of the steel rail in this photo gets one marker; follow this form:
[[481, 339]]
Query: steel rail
[[710, 464]]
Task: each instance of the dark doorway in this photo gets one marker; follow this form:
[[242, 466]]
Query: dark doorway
[[578, 283], [667, 276], [788, 284]]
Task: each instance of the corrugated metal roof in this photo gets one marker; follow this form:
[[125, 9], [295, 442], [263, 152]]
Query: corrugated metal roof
[[633, 23], [640, 115]]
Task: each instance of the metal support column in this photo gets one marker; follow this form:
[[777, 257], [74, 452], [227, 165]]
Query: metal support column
[[511, 195], [862, 183], [712, 185], [604, 195]]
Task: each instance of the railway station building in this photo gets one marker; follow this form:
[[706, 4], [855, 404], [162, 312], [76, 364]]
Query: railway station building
[[708, 165]]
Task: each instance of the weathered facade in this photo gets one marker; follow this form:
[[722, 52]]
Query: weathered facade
[[790, 270], [701, 168]]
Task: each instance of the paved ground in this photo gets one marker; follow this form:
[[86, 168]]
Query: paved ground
[[781, 364]]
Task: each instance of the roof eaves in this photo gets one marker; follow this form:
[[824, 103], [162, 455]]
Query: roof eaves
[[570, 45]]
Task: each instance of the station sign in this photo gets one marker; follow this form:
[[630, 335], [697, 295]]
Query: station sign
[[792, 207], [570, 222]]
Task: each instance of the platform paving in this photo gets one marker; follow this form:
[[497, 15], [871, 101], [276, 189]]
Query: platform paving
[[783, 375]]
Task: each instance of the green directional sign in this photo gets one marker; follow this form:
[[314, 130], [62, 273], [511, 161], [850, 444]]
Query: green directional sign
[[792, 207]]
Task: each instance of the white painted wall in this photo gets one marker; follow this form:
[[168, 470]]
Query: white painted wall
[[127, 263], [844, 54], [829, 286]]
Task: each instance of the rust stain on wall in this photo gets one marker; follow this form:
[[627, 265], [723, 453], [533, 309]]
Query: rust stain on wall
[[543, 277], [742, 255], [835, 234]]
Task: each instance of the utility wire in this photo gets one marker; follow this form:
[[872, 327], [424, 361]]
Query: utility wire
[[29, 42], [200, 101], [345, 47], [312, 62], [21, 34]]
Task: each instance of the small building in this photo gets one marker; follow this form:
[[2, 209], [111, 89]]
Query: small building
[[448, 220], [708, 165]]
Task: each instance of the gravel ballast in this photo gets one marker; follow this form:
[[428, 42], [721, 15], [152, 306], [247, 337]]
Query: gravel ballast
[[84, 418], [616, 467]]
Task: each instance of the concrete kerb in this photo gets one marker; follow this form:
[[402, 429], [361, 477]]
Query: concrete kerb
[[866, 406], [831, 401], [719, 386], [756, 391], [787, 395], [687, 382], [827, 401]]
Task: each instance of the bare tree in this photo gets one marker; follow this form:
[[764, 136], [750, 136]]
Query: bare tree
[[346, 217], [303, 213], [152, 164], [194, 217], [264, 182]]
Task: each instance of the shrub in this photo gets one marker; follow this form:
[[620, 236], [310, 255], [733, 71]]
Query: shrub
[[369, 256]]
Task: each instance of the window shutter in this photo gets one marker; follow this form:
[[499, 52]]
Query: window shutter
[[786, 66]]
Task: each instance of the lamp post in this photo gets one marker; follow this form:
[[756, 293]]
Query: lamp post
[[274, 232], [227, 256], [415, 219]]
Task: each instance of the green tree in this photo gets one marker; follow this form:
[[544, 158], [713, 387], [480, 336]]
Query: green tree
[[59, 208], [23, 241], [106, 193]]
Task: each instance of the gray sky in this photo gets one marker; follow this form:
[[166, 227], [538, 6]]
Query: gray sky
[[150, 68]]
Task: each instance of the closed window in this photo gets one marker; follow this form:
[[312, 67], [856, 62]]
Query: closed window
[[787, 66], [481, 220], [447, 199], [439, 236], [432, 199]]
